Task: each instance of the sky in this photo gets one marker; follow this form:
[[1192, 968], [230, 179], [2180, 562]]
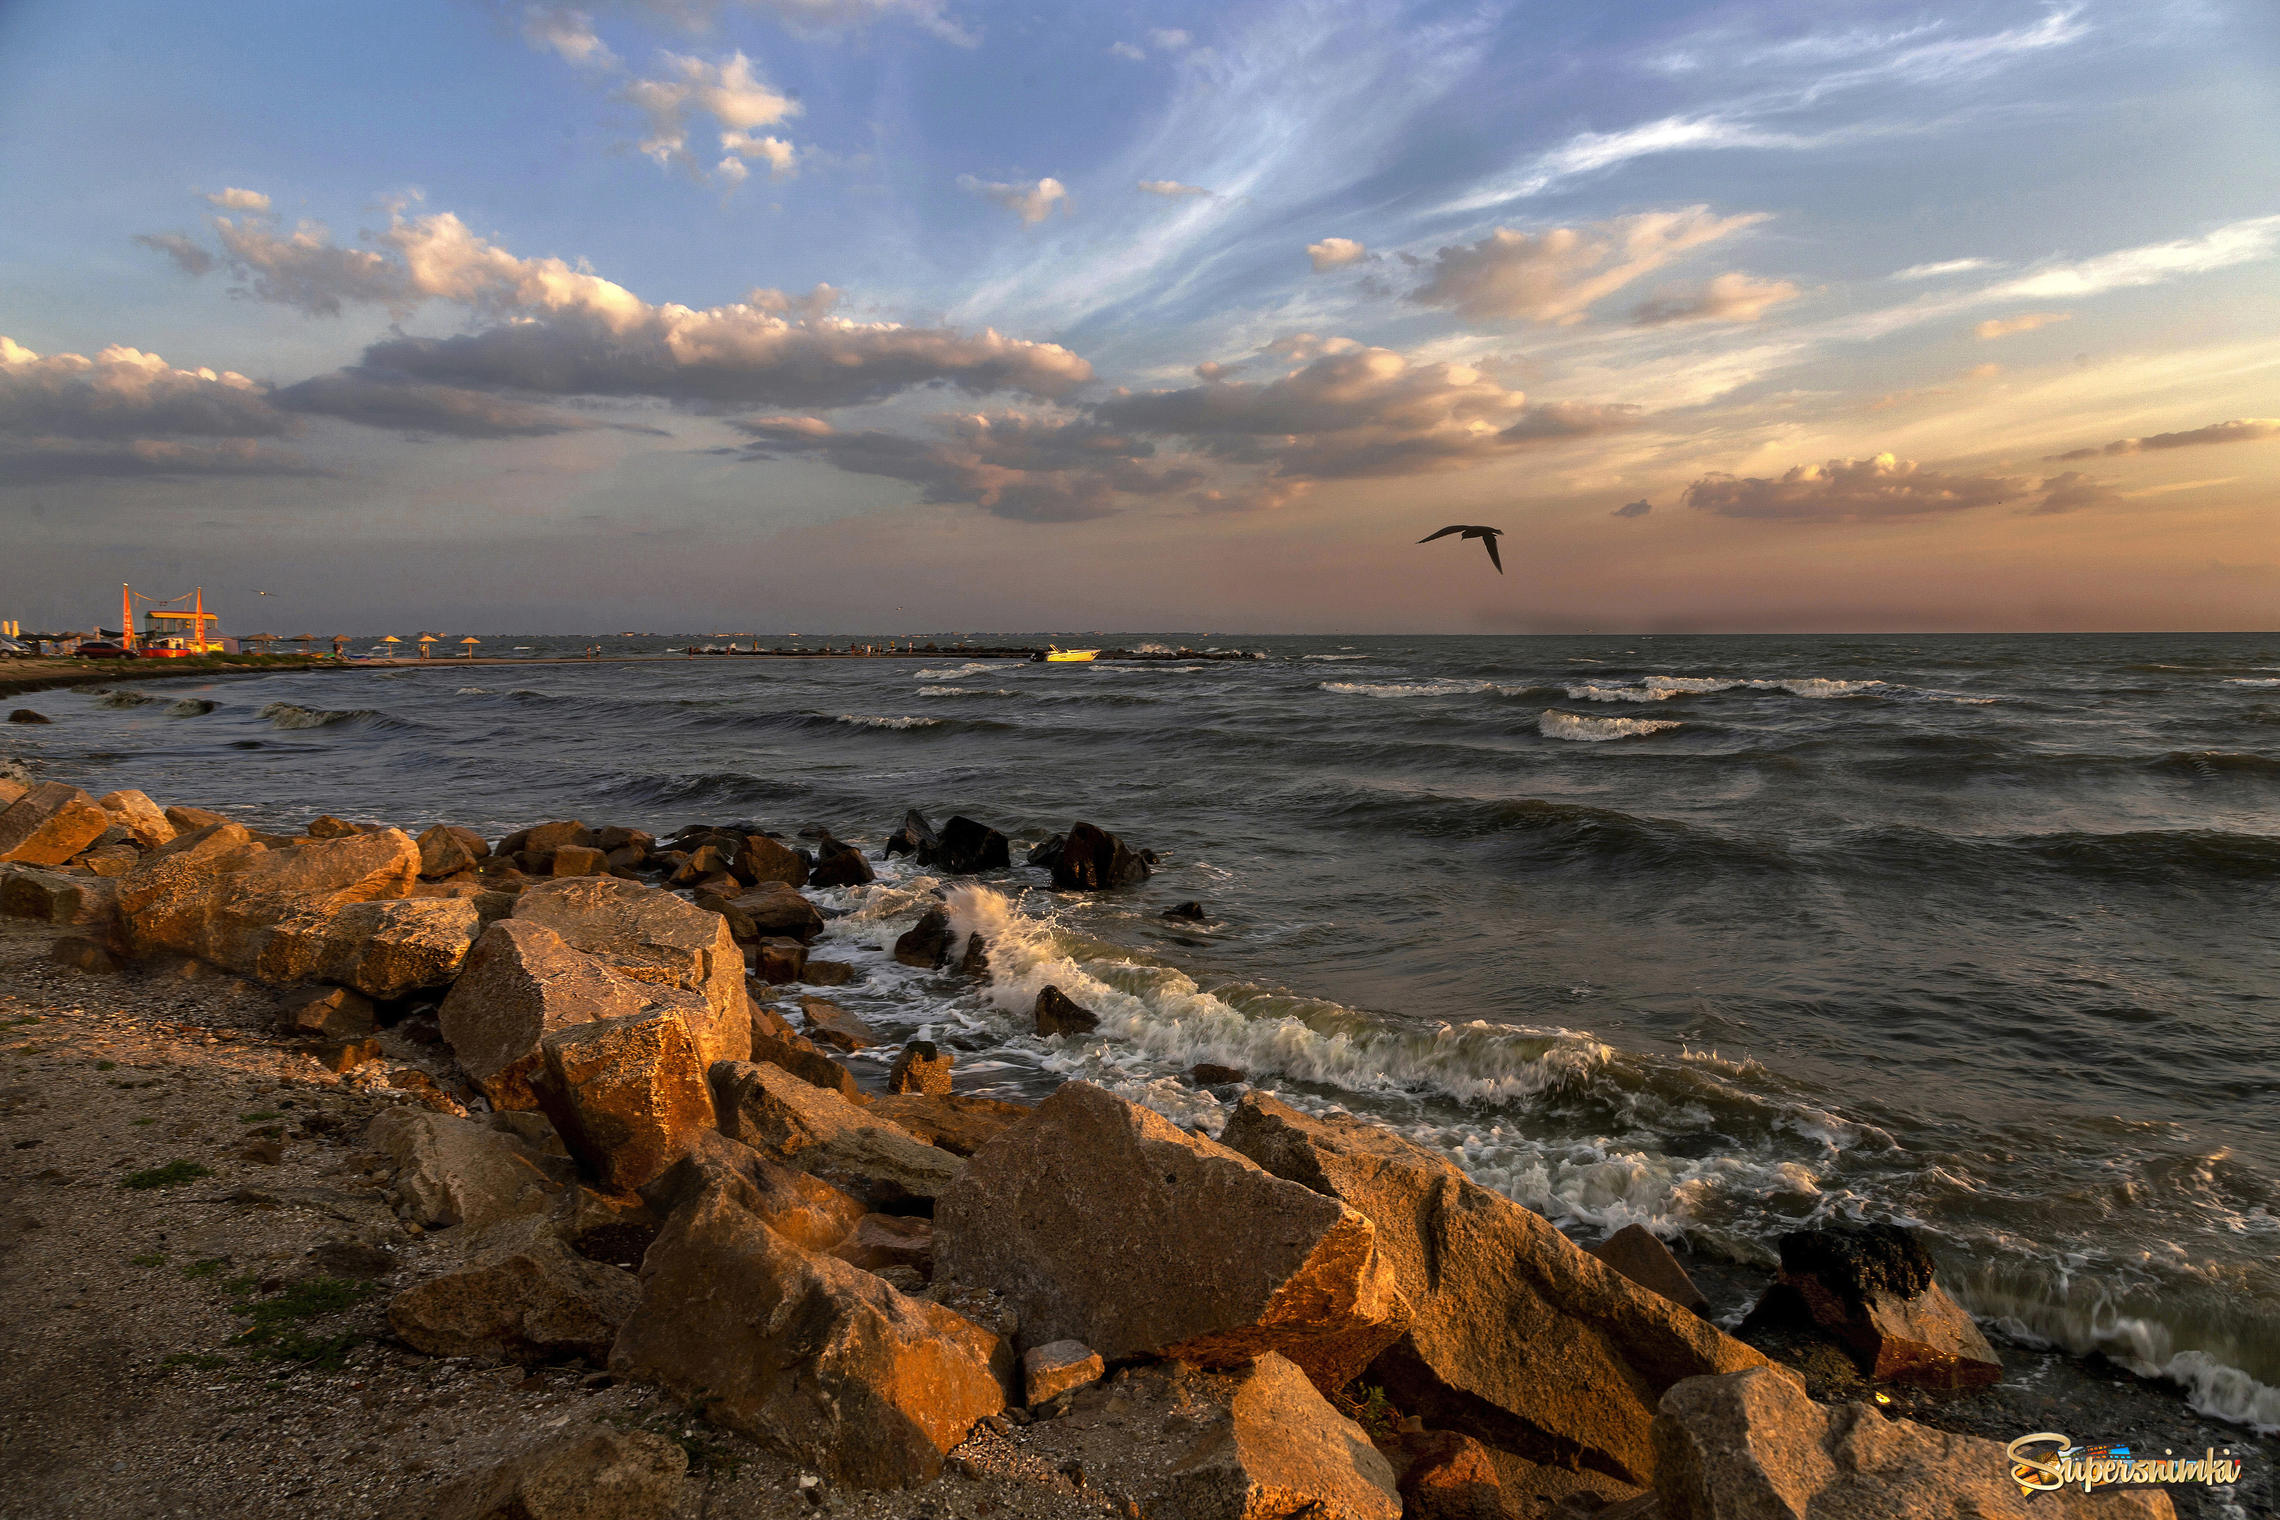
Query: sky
[[914, 315]]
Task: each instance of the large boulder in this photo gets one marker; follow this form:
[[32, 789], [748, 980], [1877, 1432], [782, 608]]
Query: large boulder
[[87, 905], [915, 837], [839, 864], [654, 937], [1058, 1013], [447, 850], [385, 950], [216, 893], [926, 944], [759, 858], [1870, 1287], [956, 1122], [1520, 1339], [49, 824], [139, 816], [921, 1068], [1100, 1221], [453, 1171], [1751, 1446], [1257, 1442], [829, 1024], [807, 1211], [516, 1291], [825, 1134], [820, 1360], [777, 911], [966, 847], [628, 1094], [1093, 860], [521, 983], [1635, 1252], [589, 1474]]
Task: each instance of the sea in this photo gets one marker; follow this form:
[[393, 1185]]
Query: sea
[[1728, 936]]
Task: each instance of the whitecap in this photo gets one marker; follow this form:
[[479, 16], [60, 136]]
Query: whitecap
[[1555, 724], [1404, 689], [963, 691], [865, 722], [1334, 657], [473, 691], [2252, 680], [974, 668]]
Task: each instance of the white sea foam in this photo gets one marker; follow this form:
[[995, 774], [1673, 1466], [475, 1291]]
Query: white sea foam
[[952, 673], [1334, 656], [1663, 688], [1555, 724], [473, 691], [963, 691], [2252, 680], [861, 721], [1405, 689]]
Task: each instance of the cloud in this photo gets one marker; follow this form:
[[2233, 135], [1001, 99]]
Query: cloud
[[821, 16], [1588, 152], [1352, 412], [2237, 243], [1128, 50], [188, 256], [568, 34], [306, 269], [1170, 39], [1639, 508], [1555, 276], [1031, 202], [1728, 298], [726, 90], [1878, 489], [52, 462], [1942, 269], [2073, 492], [382, 401], [1025, 468], [124, 393], [1171, 188], [2239, 430], [239, 200], [2003, 327], [1335, 253]]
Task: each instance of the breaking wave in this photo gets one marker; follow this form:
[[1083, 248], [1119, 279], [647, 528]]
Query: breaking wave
[[1400, 689], [190, 707], [291, 715], [865, 722], [1555, 724]]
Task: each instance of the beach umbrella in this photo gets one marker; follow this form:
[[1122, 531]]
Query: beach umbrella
[[467, 647], [427, 643], [304, 640], [339, 642]]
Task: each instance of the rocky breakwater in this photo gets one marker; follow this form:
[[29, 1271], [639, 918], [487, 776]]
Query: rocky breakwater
[[639, 1166]]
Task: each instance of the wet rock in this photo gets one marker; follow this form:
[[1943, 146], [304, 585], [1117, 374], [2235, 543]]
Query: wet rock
[[1520, 1339], [386, 950], [1637, 1254], [447, 850], [827, 1135], [652, 937], [778, 911], [27, 715], [888, 1240], [759, 858], [340, 1013], [520, 984], [1058, 1367], [627, 1094], [1048, 854], [799, 1056], [829, 1024], [141, 817], [1870, 1287], [1093, 860], [49, 824], [1100, 1221], [807, 1211], [616, 838], [915, 837], [546, 838], [1752, 1446], [592, 1474], [1206, 1074], [819, 1360], [827, 973], [838, 864], [1254, 1443], [452, 1171], [516, 1291], [1192, 911], [966, 848], [920, 1067], [974, 961], [779, 962], [216, 893], [1056, 1013], [953, 1122], [926, 943], [705, 863]]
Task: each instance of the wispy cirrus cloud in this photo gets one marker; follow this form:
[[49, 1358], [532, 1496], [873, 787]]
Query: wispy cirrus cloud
[[2026, 321], [1726, 298], [1032, 201], [1556, 276], [2239, 430], [1882, 488]]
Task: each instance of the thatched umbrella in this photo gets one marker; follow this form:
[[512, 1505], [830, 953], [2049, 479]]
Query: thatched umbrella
[[427, 643], [340, 643], [467, 647], [389, 638], [304, 640]]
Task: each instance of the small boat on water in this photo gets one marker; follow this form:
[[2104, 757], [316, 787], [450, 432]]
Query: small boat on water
[[1056, 655]]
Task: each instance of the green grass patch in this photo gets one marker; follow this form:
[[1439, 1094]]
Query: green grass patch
[[173, 1174], [146, 1119], [207, 1268], [278, 1330], [106, 1066], [29, 1018], [149, 1259]]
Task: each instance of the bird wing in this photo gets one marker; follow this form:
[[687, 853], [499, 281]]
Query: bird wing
[[1488, 542], [1444, 533]]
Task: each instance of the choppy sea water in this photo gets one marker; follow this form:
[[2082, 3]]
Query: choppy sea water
[[1726, 935]]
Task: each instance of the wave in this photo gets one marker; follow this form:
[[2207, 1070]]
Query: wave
[[190, 707], [291, 715], [1405, 689], [952, 673], [472, 691], [124, 699], [863, 722], [964, 691], [1663, 688], [1337, 657], [2252, 680], [1555, 724]]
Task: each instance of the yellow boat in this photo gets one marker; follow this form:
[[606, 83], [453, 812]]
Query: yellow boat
[[1060, 656]]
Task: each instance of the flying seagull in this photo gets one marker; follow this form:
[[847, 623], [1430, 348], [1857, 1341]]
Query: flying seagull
[[1487, 537]]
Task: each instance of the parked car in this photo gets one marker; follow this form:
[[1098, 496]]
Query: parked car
[[103, 649]]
